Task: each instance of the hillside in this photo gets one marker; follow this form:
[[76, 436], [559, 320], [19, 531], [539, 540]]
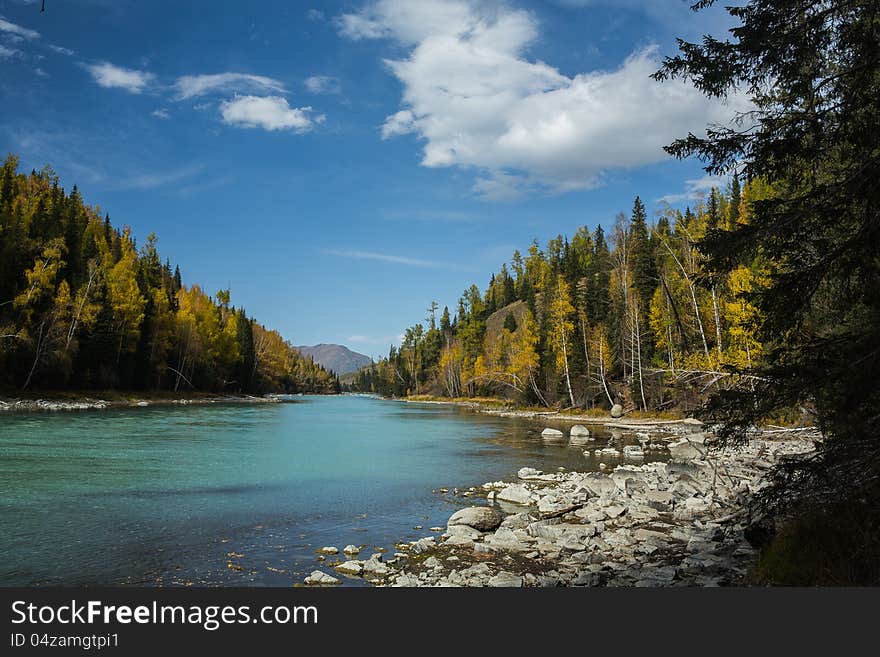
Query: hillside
[[335, 357], [83, 307]]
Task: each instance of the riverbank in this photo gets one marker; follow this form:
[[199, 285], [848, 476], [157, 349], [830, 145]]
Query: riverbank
[[633, 421], [677, 523], [68, 401]]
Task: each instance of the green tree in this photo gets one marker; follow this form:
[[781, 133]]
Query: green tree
[[812, 71]]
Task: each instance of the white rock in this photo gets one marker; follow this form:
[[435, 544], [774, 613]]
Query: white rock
[[684, 449], [351, 549], [506, 579], [515, 493], [548, 505], [422, 545], [463, 531], [661, 500], [375, 567], [318, 578], [329, 550], [482, 518], [351, 568], [579, 430], [432, 562], [552, 433], [598, 483], [617, 411], [506, 539], [633, 452], [517, 521], [529, 473]]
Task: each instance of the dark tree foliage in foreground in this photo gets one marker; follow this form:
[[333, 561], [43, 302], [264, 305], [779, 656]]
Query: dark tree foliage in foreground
[[812, 71]]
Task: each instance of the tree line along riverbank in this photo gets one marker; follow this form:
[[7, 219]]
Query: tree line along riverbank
[[83, 307]]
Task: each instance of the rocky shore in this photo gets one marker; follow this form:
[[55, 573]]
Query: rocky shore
[[678, 522], [14, 405]]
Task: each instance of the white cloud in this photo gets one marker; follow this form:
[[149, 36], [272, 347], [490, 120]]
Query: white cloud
[[152, 180], [323, 84], [17, 30], [267, 112], [393, 259], [696, 188], [315, 15], [190, 86], [477, 101], [400, 123], [8, 53], [160, 114], [61, 50], [383, 257], [108, 75]]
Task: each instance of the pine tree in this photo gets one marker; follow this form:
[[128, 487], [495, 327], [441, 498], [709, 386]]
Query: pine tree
[[813, 74]]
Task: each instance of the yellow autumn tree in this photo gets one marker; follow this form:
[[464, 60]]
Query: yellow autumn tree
[[126, 302]]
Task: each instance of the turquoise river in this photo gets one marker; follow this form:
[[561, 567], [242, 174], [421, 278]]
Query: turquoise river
[[240, 494]]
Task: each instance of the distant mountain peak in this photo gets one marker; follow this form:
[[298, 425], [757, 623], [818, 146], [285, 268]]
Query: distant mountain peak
[[336, 357]]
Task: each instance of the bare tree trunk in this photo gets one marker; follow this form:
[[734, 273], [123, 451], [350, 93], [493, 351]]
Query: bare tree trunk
[[717, 322], [639, 349], [602, 373], [37, 354], [71, 331], [537, 391], [586, 356], [567, 376]]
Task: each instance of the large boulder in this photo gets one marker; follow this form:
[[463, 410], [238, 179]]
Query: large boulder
[[617, 411], [482, 518], [515, 493], [552, 433], [579, 434], [463, 530]]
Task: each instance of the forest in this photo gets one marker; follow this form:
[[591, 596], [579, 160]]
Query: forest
[[83, 308], [630, 316]]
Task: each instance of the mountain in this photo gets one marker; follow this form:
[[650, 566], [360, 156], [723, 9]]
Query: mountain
[[336, 357]]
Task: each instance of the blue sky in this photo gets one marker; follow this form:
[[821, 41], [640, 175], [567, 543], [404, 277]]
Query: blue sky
[[339, 165]]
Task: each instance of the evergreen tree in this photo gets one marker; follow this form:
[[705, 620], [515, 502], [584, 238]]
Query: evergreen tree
[[813, 74]]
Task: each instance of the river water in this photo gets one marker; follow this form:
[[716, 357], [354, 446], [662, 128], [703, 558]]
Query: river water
[[241, 495]]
